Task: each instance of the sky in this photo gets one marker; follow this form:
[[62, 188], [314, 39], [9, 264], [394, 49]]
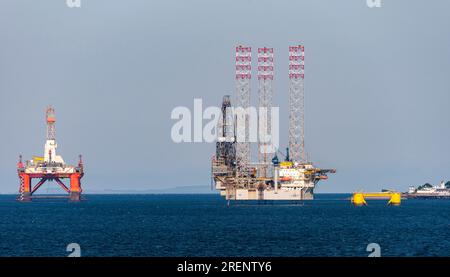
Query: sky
[[376, 85]]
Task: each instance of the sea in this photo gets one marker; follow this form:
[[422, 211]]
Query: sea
[[205, 225]]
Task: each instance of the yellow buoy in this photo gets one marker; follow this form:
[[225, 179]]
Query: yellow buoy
[[358, 199], [396, 199]]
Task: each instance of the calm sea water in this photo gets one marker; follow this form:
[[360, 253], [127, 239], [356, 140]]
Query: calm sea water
[[203, 225]]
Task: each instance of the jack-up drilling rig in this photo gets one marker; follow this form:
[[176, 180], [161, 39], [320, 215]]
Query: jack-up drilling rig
[[50, 167], [232, 172]]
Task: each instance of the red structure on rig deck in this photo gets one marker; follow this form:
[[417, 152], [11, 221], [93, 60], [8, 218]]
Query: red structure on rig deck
[[50, 167]]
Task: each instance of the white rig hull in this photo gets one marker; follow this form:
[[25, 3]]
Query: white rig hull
[[245, 194]]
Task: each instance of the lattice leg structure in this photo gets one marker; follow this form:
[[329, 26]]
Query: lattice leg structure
[[297, 103], [243, 77], [265, 78], [21, 189]]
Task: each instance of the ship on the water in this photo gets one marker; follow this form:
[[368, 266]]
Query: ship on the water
[[442, 190]]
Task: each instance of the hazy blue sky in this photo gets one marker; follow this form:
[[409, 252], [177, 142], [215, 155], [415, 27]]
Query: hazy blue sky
[[377, 85]]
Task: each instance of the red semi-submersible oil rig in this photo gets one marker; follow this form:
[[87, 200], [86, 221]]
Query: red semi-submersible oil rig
[[50, 167]]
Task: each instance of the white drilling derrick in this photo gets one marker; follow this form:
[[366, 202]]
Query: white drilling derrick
[[243, 77], [225, 128], [50, 144], [265, 78], [297, 103]]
